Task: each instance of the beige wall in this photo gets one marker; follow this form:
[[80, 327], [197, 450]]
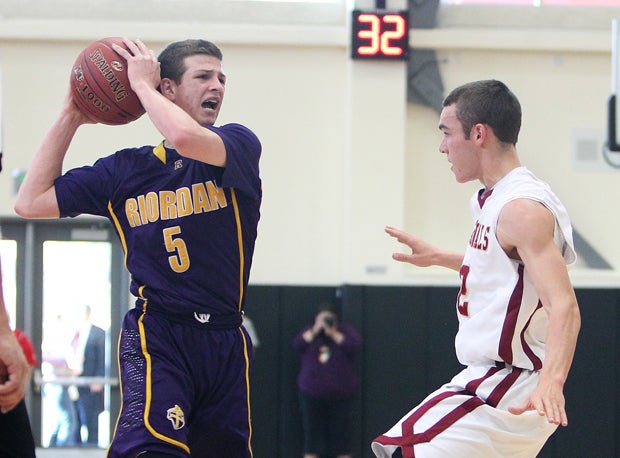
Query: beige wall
[[344, 154]]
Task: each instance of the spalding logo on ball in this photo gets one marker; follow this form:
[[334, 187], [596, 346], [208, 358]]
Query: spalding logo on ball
[[101, 87]]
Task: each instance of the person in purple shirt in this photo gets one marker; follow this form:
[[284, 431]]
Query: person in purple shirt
[[328, 382], [186, 211]]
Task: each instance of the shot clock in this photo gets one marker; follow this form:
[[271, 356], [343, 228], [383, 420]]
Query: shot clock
[[380, 34]]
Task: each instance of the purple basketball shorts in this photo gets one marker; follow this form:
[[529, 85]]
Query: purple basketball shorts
[[185, 389]]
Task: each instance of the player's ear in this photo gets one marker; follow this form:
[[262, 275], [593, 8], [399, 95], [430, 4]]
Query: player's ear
[[478, 132], [167, 88]]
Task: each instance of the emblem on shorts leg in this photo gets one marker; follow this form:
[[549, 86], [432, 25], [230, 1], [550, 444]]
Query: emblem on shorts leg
[[202, 317], [176, 416]]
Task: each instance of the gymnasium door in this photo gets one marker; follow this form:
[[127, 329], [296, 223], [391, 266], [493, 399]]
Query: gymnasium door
[[62, 270]]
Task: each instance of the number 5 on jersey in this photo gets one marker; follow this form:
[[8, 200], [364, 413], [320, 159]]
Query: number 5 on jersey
[[179, 260]]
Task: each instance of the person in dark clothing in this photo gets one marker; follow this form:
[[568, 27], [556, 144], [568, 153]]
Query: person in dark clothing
[[89, 344], [328, 381]]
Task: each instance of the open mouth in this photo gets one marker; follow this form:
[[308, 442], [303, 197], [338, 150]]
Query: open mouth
[[209, 104]]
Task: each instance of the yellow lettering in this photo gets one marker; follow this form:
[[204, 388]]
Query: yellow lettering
[[152, 206], [201, 199], [142, 208], [167, 201], [131, 210], [184, 202], [167, 205], [217, 197]]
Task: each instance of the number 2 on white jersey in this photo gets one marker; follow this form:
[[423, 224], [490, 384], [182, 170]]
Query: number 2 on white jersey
[[461, 303]]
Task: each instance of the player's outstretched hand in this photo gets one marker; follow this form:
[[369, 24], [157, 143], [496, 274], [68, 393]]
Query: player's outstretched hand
[[422, 253], [548, 400], [14, 371]]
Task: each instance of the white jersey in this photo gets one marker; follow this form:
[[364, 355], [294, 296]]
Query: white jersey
[[501, 340], [501, 318]]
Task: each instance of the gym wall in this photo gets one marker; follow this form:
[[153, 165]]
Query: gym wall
[[345, 153]]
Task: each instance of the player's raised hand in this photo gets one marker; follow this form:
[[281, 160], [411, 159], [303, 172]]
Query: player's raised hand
[[423, 254], [69, 108], [142, 63]]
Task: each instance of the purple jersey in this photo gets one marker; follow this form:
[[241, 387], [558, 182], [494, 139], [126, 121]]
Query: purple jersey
[[187, 228], [329, 370]]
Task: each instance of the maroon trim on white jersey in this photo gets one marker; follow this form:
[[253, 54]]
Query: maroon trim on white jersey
[[410, 438], [510, 321], [536, 361], [483, 195]]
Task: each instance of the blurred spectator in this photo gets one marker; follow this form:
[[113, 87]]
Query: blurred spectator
[[328, 383]]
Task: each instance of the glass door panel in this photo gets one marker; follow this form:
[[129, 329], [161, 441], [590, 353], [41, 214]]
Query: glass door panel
[[75, 348]]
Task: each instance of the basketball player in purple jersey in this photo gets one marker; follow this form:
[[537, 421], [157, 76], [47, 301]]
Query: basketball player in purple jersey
[[518, 315], [186, 212]]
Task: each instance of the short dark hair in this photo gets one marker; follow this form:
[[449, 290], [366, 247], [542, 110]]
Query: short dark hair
[[172, 58], [488, 102], [328, 306]]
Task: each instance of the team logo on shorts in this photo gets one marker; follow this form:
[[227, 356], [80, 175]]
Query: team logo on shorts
[[202, 317], [176, 416]]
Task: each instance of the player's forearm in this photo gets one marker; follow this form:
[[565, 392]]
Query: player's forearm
[[36, 197], [562, 332], [449, 260], [182, 131]]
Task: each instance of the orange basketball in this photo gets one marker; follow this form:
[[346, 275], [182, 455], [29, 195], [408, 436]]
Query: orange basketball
[[101, 87]]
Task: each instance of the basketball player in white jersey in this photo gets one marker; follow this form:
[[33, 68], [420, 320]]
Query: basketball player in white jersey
[[518, 315]]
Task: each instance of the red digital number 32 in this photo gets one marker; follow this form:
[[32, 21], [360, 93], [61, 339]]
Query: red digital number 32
[[380, 40]]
